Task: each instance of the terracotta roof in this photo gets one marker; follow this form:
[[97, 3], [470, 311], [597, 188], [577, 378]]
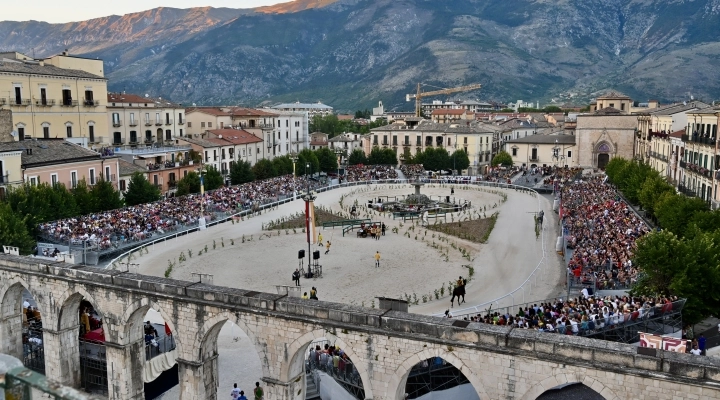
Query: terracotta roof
[[608, 111], [448, 111], [233, 136], [128, 168], [678, 134], [127, 98], [208, 110], [201, 142], [241, 111]]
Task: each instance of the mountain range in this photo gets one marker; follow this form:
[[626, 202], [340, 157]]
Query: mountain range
[[352, 53]]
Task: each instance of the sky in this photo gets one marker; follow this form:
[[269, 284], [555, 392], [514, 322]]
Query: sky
[[79, 10]]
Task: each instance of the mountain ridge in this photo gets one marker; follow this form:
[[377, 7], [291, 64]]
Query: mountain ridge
[[352, 53]]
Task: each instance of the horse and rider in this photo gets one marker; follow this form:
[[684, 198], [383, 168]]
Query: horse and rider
[[459, 291]]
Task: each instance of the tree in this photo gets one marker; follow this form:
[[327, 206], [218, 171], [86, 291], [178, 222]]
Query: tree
[[327, 159], [305, 157], [194, 156], [241, 172], [614, 168], [434, 159], [190, 183], [264, 169], [653, 188], [105, 196], [83, 198], [460, 160], [357, 157], [212, 179], [675, 211], [13, 229], [283, 165], [140, 191], [502, 158]]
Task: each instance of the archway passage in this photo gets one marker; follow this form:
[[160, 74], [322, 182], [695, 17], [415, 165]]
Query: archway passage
[[93, 355], [324, 358], [572, 391], [603, 160], [160, 372], [434, 378], [32, 334]]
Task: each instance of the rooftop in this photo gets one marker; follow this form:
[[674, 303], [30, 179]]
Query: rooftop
[[611, 95], [449, 111], [545, 139], [309, 106], [128, 168], [34, 68], [225, 137], [49, 151]]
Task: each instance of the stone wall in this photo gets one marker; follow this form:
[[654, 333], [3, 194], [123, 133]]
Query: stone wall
[[6, 126], [500, 362], [592, 130]]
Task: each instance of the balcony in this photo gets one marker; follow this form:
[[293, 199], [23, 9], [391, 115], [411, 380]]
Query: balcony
[[148, 122], [133, 123], [20, 103], [158, 122], [91, 103], [696, 169], [686, 191], [117, 123], [3, 102], [181, 122], [535, 159], [172, 184], [68, 103], [660, 135], [699, 139], [683, 164], [95, 139], [265, 126], [168, 122], [117, 142], [45, 103]]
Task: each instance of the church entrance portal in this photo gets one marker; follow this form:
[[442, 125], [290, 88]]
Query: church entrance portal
[[603, 160]]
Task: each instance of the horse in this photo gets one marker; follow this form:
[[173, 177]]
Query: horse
[[458, 292]]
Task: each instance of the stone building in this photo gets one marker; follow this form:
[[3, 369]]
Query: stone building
[[604, 135]]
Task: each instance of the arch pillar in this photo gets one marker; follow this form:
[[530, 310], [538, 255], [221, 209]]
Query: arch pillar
[[124, 370], [62, 355], [11, 318], [198, 380]]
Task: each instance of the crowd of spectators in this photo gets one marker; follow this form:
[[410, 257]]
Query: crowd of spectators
[[356, 173], [600, 230], [413, 170], [581, 316], [166, 164], [106, 152], [137, 223], [332, 360], [501, 174]]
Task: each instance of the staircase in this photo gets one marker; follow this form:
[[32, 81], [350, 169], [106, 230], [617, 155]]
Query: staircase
[[311, 390]]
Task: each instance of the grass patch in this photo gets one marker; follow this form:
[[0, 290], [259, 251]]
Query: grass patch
[[477, 230], [297, 221]]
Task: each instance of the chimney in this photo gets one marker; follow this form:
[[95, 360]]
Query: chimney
[[28, 151], [66, 53]]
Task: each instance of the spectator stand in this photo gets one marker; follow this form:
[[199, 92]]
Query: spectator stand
[[346, 375]]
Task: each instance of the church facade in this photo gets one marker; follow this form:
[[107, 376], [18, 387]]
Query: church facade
[[603, 135]]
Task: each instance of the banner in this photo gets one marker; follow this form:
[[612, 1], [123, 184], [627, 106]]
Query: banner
[[666, 343], [310, 222]]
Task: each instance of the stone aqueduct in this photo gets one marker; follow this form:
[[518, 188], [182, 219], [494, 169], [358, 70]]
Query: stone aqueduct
[[500, 362]]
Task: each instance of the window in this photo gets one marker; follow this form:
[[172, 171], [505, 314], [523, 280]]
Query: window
[[155, 179], [612, 105], [92, 176], [122, 185], [43, 96], [73, 179], [157, 118], [202, 125], [209, 124], [68, 130], [133, 137], [89, 99], [54, 179], [18, 95], [117, 138], [622, 106], [394, 140], [132, 119], [148, 136], [116, 119], [171, 177], [222, 124], [107, 176], [418, 141], [168, 134], [66, 97], [407, 140], [514, 151], [91, 132], [287, 123], [385, 141], [181, 132], [34, 180], [180, 120], [215, 155], [167, 118], [569, 154], [46, 131], [189, 124], [21, 133], [206, 156]]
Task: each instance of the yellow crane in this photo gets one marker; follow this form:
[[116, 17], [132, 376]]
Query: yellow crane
[[419, 95]]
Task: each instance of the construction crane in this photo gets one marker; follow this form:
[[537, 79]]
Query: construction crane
[[419, 95]]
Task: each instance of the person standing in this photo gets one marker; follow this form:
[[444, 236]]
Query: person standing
[[235, 392], [259, 395], [242, 396], [296, 277], [320, 242], [701, 344], [383, 227], [327, 247], [377, 259], [313, 293]]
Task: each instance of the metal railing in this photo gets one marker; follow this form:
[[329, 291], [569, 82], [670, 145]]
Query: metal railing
[[45, 103], [117, 123], [162, 345], [168, 122], [21, 102], [91, 103], [19, 382]]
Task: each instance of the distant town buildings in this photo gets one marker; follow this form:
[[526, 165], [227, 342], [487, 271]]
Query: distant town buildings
[[312, 109]]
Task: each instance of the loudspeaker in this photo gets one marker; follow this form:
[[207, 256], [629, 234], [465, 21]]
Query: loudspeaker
[[301, 254], [316, 255]]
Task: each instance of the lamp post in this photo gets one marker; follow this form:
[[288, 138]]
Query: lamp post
[[294, 159], [309, 220], [201, 220], [338, 153]]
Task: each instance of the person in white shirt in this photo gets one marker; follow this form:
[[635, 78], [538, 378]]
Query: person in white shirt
[[26, 305], [696, 351], [235, 392]]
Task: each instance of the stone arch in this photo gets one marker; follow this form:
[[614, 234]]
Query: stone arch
[[132, 320], [295, 351], [13, 287], [211, 329], [561, 378], [69, 303], [399, 379]]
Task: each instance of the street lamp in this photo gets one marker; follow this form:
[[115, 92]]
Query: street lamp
[[338, 153], [294, 159], [309, 220]]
